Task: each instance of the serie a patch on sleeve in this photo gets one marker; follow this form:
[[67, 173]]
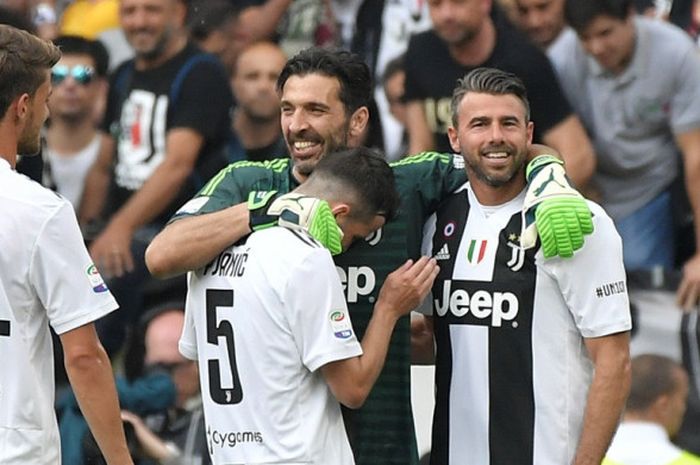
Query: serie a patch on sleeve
[[340, 323], [95, 278]]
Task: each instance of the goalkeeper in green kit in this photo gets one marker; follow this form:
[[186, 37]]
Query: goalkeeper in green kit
[[324, 98]]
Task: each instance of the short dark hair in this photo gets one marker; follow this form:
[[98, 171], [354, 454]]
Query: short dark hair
[[24, 60], [364, 173], [580, 14], [348, 68], [76, 45], [652, 377], [489, 81]]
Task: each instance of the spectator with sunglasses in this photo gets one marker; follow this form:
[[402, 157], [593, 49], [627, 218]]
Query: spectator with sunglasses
[[72, 140]]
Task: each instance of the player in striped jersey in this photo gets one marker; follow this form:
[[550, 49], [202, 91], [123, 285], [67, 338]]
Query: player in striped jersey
[[268, 322], [532, 355], [324, 97]]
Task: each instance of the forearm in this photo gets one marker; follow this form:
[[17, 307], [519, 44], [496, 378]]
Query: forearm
[[261, 21], [355, 377], [692, 185], [604, 406], [94, 195], [375, 345], [570, 139], [90, 376], [97, 183], [420, 138], [191, 243]]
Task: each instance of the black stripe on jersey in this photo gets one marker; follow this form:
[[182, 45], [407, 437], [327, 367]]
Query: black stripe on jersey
[[305, 238], [4, 327], [511, 395], [451, 219], [512, 408]]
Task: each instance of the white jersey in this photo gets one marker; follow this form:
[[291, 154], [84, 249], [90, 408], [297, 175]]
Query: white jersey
[[261, 319], [512, 370], [46, 277]]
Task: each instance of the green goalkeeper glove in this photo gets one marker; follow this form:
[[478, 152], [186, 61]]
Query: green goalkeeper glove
[[296, 211], [553, 209]]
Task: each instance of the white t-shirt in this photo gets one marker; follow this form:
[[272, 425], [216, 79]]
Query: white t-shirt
[[69, 171], [512, 368], [46, 277], [262, 318]]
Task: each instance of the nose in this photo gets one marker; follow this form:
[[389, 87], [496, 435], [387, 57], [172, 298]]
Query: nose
[[596, 46], [297, 121], [535, 19], [496, 133]]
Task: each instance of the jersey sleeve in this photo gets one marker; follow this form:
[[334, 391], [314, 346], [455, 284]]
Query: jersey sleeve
[[593, 282], [64, 277], [188, 339], [431, 176], [204, 101], [232, 185], [685, 101], [319, 317]]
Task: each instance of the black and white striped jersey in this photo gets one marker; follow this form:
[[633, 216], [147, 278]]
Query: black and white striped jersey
[[512, 370]]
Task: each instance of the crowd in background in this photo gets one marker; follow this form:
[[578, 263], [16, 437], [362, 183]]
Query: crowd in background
[[628, 127]]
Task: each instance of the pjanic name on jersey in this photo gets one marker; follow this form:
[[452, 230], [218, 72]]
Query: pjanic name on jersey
[[228, 263]]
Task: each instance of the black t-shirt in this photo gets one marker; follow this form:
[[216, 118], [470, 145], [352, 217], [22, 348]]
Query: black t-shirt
[[140, 114], [431, 76]]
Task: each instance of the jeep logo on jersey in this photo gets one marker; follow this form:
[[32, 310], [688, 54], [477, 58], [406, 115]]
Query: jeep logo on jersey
[[374, 238], [499, 306], [357, 281]]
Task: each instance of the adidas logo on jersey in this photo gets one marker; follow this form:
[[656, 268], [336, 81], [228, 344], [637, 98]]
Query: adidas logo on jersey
[[443, 253], [498, 306]]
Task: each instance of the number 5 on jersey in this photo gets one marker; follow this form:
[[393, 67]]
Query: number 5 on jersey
[[222, 298]]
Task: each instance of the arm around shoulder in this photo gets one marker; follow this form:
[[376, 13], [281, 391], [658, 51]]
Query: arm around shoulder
[[191, 242]]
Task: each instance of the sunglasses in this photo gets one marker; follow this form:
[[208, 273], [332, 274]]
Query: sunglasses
[[80, 73]]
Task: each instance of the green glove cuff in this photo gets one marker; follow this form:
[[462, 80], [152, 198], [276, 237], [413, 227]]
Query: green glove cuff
[[258, 203], [325, 230], [539, 162]]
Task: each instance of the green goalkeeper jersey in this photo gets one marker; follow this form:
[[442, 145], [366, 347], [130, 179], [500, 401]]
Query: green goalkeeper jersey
[[381, 432]]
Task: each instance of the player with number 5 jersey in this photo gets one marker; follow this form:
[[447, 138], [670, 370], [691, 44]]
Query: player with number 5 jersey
[[268, 323]]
